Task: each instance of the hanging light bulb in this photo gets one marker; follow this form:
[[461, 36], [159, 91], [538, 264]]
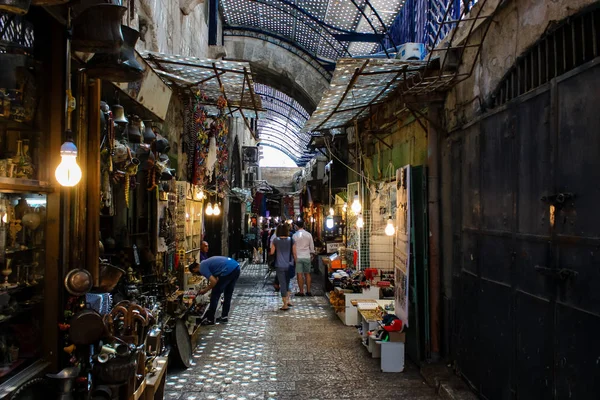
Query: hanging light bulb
[[68, 172], [331, 212], [360, 222], [389, 229], [209, 209], [356, 207], [216, 209], [329, 222]]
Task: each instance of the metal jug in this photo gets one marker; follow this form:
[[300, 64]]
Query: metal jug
[[162, 144], [134, 131], [97, 29], [119, 114], [120, 67], [149, 135], [19, 7]]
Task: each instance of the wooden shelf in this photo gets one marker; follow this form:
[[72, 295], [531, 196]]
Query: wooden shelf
[[16, 185]]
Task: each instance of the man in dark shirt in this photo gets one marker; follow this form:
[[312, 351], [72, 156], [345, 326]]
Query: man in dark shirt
[[204, 251], [222, 274]]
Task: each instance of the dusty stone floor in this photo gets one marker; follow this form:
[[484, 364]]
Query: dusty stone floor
[[303, 353]]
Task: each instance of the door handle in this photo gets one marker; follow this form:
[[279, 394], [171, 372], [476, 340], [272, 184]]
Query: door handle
[[561, 274]]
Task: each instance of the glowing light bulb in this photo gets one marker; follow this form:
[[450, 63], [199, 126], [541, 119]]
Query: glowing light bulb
[[331, 212], [345, 208], [209, 209], [389, 229], [356, 207], [360, 222], [68, 172], [216, 210], [329, 222]]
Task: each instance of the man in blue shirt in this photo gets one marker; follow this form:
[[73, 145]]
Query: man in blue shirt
[[222, 274]]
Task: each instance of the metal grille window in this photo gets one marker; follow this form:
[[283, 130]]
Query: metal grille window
[[567, 46], [16, 34]]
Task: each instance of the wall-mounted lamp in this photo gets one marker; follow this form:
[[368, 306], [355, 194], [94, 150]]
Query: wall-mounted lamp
[[68, 172]]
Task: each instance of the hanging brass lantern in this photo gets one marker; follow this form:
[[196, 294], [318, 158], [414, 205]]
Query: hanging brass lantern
[[120, 67], [97, 29], [18, 7]]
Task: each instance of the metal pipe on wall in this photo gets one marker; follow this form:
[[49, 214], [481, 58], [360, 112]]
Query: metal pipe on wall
[[213, 21], [433, 184]]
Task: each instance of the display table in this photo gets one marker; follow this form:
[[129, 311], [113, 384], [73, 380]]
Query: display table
[[390, 352], [350, 314]]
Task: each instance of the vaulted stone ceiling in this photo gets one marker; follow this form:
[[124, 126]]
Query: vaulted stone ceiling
[[314, 33]]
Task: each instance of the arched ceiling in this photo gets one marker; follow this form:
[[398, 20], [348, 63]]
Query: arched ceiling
[[319, 32], [326, 29], [281, 125]]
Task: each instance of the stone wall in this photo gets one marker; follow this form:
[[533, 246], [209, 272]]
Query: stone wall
[[167, 29], [281, 178], [517, 25]]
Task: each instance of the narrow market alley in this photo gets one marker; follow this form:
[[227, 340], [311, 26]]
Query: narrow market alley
[[304, 353]]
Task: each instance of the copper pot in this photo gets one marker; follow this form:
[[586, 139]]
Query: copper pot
[[86, 327], [97, 29], [109, 277], [120, 67], [19, 7]]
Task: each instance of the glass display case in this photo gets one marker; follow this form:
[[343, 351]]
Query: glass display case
[[22, 240]]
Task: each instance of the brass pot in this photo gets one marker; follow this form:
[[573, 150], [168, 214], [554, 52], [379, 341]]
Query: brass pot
[[120, 67], [18, 7], [97, 29]]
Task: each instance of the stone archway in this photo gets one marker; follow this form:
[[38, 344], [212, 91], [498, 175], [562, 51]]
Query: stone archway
[[281, 69]]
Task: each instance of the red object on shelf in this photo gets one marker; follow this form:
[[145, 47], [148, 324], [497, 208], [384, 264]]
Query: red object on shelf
[[384, 284], [370, 273], [355, 258]]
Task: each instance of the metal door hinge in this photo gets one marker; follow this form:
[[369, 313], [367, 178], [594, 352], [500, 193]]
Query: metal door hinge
[[562, 274]]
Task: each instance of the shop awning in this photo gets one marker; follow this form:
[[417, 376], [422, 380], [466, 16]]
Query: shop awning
[[358, 84], [213, 78]]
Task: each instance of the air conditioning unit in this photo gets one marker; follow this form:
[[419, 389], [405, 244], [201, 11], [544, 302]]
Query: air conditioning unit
[[250, 155]]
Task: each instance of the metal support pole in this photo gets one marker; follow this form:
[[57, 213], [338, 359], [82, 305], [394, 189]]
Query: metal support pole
[[213, 21], [433, 182]]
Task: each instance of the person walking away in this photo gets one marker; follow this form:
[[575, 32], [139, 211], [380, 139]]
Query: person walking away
[[264, 237], [303, 249], [282, 247], [222, 274]]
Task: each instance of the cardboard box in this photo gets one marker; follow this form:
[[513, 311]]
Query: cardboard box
[[398, 337]]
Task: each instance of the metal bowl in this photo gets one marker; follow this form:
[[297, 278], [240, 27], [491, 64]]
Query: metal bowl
[[78, 282]]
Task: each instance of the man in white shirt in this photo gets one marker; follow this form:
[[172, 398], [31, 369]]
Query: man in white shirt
[[303, 249]]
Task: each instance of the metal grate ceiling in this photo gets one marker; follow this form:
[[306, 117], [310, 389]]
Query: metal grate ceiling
[[327, 29], [280, 126]]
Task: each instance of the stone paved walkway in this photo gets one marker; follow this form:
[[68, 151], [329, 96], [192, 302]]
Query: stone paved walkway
[[304, 353]]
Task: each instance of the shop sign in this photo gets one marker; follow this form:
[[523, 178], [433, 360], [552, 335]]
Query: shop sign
[[333, 247]]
